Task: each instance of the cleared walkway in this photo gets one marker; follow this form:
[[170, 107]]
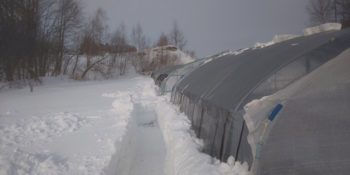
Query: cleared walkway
[[143, 151]]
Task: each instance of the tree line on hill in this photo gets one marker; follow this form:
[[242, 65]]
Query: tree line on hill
[[44, 37]]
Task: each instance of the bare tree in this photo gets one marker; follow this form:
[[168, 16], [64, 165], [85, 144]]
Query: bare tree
[[138, 38], [163, 40], [119, 39], [342, 12], [47, 35], [177, 37], [93, 39], [19, 30], [69, 13], [121, 50], [320, 11]]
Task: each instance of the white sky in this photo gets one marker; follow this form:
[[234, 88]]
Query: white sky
[[210, 26]]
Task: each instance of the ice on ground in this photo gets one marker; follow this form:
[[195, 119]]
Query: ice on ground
[[322, 28]]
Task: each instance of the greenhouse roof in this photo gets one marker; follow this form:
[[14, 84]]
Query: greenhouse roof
[[227, 81]]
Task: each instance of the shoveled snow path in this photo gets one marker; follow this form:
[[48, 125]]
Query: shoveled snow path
[[149, 154], [142, 150]]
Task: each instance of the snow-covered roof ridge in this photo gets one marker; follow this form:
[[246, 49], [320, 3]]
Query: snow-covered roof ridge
[[322, 28], [166, 47], [224, 53], [276, 39], [285, 37]]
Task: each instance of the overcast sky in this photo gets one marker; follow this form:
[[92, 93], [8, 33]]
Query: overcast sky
[[210, 26]]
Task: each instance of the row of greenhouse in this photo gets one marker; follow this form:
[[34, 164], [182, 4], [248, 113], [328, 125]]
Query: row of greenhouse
[[302, 125]]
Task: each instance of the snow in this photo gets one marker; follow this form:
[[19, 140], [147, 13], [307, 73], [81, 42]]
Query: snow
[[276, 39], [285, 37], [171, 51], [322, 28], [229, 52], [63, 127], [142, 150], [184, 154], [183, 149], [100, 127], [233, 52], [108, 66]]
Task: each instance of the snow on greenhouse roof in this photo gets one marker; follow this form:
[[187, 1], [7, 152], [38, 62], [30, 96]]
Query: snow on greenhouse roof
[[322, 28], [225, 82]]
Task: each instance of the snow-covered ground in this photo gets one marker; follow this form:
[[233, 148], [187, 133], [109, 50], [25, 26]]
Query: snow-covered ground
[[63, 127], [99, 127]]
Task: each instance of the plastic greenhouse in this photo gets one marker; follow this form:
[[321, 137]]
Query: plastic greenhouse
[[311, 134], [214, 94], [177, 74], [166, 78], [163, 73]]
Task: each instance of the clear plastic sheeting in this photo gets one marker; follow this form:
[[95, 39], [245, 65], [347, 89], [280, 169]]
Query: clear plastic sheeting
[[214, 94], [177, 74], [311, 135], [167, 78]]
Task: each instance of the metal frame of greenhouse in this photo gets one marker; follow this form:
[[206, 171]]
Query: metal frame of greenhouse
[[214, 94]]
